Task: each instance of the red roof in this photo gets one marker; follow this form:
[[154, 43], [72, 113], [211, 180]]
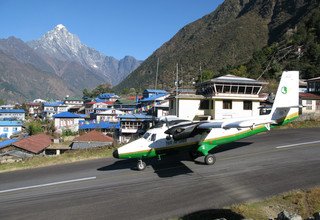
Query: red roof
[[309, 96], [35, 143], [109, 102], [90, 103], [93, 136]]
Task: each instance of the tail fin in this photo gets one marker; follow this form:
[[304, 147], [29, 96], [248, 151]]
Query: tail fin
[[286, 104]]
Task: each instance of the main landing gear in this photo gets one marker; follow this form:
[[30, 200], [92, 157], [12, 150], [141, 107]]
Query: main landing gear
[[209, 159], [141, 165]]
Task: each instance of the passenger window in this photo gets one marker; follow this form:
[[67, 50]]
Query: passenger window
[[146, 135], [153, 137]]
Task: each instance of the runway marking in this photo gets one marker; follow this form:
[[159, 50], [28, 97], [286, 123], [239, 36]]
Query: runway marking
[[49, 184], [294, 145]]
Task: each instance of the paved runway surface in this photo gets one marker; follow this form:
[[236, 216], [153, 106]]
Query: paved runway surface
[[254, 168]]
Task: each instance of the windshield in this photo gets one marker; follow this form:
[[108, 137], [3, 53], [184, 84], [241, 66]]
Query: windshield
[[146, 135]]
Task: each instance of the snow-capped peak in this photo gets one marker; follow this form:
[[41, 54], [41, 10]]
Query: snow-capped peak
[[59, 27]]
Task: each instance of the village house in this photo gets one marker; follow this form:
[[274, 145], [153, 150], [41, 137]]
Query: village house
[[107, 128], [53, 108], [16, 150], [67, 120], [74, 104], [8, 128], [34, 109], [91, 139], [91, 106], [219, 98], [105, 97], [311, 98], [154, 102], [110, 115], [12, 114], [134, 125]]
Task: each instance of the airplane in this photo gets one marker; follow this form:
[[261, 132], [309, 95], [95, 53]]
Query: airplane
[[172, 134]]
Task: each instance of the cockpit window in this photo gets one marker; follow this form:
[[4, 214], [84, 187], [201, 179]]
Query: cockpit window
[[146, 135], [153, 137]]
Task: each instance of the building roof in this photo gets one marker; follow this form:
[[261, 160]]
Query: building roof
[[67, 115], [52, 104], [155, 91], [154, 98], [136, 117], [93, 136], [12, 111], [234, 79], [35, 144], [100, 125], [7, 142], [309, 96], [10, 123], [107, 96]]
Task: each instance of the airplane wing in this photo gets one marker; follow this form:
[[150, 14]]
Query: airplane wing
[[191, 129]]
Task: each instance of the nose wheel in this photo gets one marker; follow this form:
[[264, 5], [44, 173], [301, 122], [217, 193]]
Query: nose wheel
[[141, 165]]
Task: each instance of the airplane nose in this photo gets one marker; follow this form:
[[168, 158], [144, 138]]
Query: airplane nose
[[115, 154]]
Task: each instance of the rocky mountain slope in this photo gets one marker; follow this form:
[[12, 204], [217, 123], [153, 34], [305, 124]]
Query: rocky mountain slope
[[227, 36], [60, 55]]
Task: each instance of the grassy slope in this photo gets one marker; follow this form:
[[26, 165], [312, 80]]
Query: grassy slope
[[302, 202]]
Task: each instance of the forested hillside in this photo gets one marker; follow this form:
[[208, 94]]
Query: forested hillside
[[246, 37]]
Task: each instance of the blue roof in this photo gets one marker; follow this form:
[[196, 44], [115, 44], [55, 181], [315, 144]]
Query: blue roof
[[12, 111], [106, 95], [67, 115], [152, 98], [7, 142], [52, 104], [99, 100], [156, 91], [139, 117], [100, 125], [10, 123]]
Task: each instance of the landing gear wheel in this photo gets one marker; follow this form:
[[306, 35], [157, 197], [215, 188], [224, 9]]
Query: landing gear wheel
[[210, 159], [141, 165]]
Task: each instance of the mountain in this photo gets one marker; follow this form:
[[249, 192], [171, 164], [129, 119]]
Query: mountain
[[62, 58], [228, 36], [20, 82], [62, 46]]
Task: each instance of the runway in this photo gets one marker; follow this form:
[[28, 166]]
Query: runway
[[254, 168]]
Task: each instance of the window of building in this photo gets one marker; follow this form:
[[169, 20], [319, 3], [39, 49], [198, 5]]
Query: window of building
[[309, 104], [227, 104], [204, 104], [247, 105], [171, 104], [5, 129]]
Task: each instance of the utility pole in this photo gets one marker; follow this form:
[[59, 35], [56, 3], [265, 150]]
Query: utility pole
[[177, 88], [200, 72], [157, 74]]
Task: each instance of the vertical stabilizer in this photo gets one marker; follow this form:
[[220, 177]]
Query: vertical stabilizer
[[286, 104]]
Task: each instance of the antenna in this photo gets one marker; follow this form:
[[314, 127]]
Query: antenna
[[157, 74]]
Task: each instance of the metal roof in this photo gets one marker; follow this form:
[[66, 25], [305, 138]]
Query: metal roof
[[155, 91], [138, 117], [10, 123], [100, 125], [7, 142], [153, 98], [67, 115], [12, 111]]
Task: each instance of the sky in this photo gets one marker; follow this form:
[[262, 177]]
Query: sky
[[114, 27]]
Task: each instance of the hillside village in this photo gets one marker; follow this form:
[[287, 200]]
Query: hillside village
[[45, 127]]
